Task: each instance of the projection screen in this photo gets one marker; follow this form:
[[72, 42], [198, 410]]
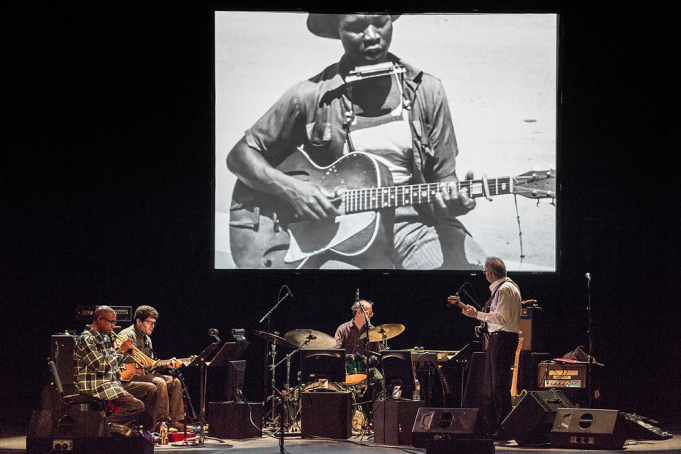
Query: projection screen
[[499, 74]]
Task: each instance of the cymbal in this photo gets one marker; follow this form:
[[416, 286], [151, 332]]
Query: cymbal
[[383, 332], [273, 338], [317, 339]]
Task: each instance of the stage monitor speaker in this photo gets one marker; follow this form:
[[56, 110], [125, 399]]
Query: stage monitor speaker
[[587, 428], [234, 420], [530, 422], [450, 423], [326, 414], [61, 352], [394, 421]]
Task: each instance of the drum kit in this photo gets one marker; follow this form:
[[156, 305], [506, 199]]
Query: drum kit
[[357, 378]]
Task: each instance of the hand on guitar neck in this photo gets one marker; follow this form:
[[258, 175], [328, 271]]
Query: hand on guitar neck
[[132, 369], [467, 310]]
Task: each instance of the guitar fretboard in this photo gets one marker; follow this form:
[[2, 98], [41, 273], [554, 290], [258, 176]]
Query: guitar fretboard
[[368, 199]]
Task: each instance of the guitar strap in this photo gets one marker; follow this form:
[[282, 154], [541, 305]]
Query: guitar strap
[[485, 308]]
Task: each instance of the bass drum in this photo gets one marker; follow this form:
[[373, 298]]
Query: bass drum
[[359, 417]]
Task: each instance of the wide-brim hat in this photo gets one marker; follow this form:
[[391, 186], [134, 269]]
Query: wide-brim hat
[[326, 25]]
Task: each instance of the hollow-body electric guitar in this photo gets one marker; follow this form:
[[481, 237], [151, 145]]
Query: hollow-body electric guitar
[[132, 369], [264, 232]]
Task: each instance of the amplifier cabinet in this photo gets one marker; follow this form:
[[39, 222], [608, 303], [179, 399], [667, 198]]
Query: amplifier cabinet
[[562, 375], [61, 352], [394, 421], [234, 420], [326, 414]]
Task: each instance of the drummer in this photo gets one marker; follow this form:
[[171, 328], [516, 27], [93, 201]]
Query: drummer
[[348, 334]]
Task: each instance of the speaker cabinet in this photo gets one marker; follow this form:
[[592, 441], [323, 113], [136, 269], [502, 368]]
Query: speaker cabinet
[[72, 431], [531, 421], [446, 423], [326, 414], [394, 421], [76, 424], [232, 420], [61, 352], [587, 428]]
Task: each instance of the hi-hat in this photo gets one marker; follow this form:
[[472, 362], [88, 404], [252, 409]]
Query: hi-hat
[[273, 338], [383, 332], [309, 338]]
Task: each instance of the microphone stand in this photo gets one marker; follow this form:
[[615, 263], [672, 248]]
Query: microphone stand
[[267, 349], [589, 332], [475, 301]]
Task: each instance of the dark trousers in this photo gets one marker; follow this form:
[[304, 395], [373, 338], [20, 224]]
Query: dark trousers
[[146, 394], [130, 408], [498, 376]]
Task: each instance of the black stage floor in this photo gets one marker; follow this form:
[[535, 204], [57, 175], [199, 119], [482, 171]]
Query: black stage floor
[[14, 444]]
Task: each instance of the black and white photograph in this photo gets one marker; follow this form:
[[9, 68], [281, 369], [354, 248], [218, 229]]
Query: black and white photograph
[[470, 107]]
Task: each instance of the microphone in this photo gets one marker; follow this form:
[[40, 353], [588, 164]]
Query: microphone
[[214, 333], [588, 276]]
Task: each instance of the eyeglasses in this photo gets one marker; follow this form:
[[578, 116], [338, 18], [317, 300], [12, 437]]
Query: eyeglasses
[[150, 322], [369, 313], [113, 322]]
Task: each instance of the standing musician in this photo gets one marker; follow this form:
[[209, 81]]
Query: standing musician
[[503, 320], [97, 372], [169, 403], [401, 119]]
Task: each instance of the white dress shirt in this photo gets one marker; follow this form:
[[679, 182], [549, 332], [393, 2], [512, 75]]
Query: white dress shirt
[[504, 314]]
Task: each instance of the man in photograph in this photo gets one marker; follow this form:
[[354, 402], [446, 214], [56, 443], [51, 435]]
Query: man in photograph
[[398, 116]]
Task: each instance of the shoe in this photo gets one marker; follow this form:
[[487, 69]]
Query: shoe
[[179, 426]]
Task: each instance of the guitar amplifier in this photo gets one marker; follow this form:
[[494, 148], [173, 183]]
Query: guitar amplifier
[[562, 375], [85, 313], [529, 320]]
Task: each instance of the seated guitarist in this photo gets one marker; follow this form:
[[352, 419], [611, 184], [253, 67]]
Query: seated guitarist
[[403, 120], [169, 403]]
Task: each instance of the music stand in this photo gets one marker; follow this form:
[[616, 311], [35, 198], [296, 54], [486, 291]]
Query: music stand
[[462, 357], [230, 351]]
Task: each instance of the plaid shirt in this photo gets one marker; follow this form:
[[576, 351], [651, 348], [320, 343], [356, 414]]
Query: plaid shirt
[[96, 366]]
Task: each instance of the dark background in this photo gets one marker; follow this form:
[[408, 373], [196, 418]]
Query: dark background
[[108, 199]]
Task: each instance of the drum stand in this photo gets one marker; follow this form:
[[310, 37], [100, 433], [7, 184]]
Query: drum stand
[[287, 417]]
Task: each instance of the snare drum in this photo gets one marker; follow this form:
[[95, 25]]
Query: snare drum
[[355, 369]]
